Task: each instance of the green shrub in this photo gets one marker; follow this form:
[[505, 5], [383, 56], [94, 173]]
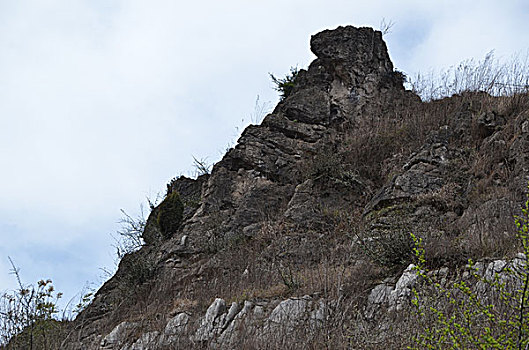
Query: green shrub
[[286, 85], [170, 214]]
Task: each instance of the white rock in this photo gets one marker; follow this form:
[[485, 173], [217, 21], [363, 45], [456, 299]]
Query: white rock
[[393, 297], [380, 294], [177, 324], [212, 322], [403, 288], [232, 312], [258, 312], [290, 311], [146, 341], [174, 330], [319, 315], [118, 336], [233, 325], [183, 240]]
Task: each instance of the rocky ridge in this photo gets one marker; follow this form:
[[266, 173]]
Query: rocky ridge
[[302, 229]]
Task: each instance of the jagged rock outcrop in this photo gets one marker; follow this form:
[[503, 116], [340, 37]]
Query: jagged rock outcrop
[[222, 326], [288, 239]]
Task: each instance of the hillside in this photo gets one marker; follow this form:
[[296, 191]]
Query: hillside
[[300, 234]]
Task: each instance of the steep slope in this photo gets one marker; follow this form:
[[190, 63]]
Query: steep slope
[[312, 208]]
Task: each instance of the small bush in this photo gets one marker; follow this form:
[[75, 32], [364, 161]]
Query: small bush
[[170, 214], [286, 85], [327, 167], [389, 249], [28, 316], [138, 269], [130, 234]]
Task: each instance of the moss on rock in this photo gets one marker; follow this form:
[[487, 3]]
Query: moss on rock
[[170, 214]]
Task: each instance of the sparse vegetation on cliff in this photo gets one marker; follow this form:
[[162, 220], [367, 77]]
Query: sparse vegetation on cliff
[[315, 206], [285, 85], [129, 237], [304, 226], [170, 212], [484, 308]]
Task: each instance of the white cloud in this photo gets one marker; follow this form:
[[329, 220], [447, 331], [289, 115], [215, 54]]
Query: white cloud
[[470, 32]]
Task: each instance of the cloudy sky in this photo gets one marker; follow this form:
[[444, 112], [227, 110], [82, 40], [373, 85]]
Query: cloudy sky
[[102, 102]]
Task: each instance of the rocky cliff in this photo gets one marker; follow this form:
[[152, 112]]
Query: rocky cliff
[[300, 235]]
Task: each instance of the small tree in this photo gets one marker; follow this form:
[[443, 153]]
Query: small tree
[[28, 315]]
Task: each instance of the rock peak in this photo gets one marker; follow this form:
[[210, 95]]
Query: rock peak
[[321, 196], [361, 49]]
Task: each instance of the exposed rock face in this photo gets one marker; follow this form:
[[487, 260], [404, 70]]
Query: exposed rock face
[[223, 327], [335, 177], [392, 297]]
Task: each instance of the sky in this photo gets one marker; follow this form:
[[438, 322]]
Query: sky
[[102, 102]]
